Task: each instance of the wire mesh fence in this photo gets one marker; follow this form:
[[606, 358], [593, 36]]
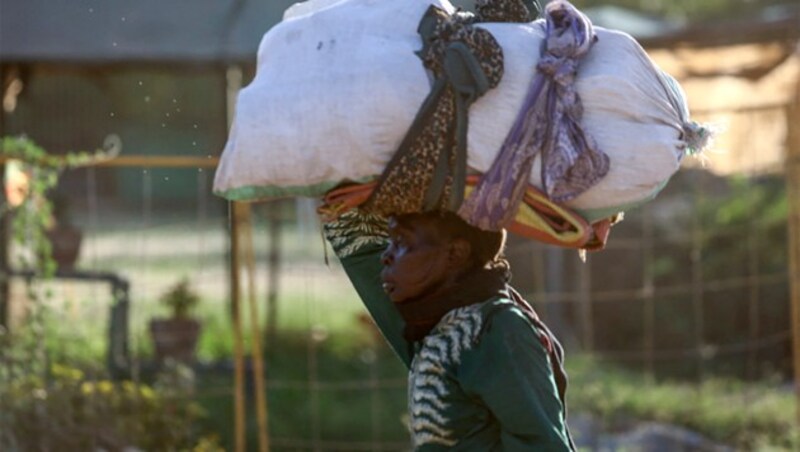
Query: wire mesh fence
[[691, 286], [674, 295]]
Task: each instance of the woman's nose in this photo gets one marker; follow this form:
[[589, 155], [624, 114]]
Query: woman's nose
[[387, 256]]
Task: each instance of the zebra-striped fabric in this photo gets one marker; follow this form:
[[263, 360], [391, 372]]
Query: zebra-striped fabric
[[428, 386]]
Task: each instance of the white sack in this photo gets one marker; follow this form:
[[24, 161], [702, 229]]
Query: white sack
[[338, 85]]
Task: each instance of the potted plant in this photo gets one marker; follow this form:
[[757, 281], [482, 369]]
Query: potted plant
[[176, 337]]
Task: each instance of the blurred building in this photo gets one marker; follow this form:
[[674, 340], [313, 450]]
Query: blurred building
[[152, 72]]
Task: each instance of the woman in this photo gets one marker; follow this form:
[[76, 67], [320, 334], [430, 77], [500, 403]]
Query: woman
[[484, 373]]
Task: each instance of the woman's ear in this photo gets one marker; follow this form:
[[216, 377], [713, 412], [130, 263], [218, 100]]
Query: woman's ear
[[460, 252]]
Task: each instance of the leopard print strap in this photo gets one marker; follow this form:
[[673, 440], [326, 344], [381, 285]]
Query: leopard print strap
[[429, 168], [506, 10]]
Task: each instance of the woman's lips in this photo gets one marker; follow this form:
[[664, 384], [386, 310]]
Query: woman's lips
[[388, 284]]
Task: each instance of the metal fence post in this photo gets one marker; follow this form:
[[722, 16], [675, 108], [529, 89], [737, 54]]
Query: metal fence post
[[793, 197]]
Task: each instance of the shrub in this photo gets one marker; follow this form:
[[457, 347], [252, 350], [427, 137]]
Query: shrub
[[64, 409]]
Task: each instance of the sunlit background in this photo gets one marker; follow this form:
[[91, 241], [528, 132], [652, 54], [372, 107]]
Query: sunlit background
[[678, 335]]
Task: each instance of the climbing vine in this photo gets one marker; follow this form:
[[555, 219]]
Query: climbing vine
[[29, 202]]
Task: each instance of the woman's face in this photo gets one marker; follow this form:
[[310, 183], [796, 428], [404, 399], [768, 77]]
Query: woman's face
[[418, 260]]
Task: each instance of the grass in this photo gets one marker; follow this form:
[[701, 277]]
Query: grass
[[344, 408], [749, 416], [320, 391]]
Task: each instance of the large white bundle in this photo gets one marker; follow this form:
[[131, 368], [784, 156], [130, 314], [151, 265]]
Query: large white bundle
[[337, 87]]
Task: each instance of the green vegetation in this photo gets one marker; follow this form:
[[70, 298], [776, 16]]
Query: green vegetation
[[69, 411], [47, 402], [30, 199], [748, 416], [315, 373], [180, 299]]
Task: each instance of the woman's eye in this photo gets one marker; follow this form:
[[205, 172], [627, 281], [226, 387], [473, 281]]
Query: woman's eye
[[397, 241]]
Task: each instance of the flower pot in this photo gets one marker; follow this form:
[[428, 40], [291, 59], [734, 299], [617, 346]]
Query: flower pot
[[175, 338], [65, 241]]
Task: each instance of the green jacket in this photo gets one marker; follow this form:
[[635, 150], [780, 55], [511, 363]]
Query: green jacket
[[480, 381]]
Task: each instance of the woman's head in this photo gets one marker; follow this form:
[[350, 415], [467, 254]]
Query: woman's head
[[430, 252]]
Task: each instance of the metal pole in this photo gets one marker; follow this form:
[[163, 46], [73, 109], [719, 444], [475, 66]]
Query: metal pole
[[585, 303], [5, 226], [238, 340], [793, 196], [233, 79], [255, 335], [273, 271], [648, 294]]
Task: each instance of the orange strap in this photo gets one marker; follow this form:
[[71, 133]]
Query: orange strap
[[538, 217]]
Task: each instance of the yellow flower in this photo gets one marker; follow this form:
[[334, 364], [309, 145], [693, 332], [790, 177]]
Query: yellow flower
[[208, 444], [65, 372], [87, 387], [105, 387], [147, 392]]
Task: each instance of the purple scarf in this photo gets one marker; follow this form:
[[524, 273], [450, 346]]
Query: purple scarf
[[548, 123]]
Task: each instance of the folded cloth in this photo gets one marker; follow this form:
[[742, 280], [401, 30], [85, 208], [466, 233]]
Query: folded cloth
[[538, 217]]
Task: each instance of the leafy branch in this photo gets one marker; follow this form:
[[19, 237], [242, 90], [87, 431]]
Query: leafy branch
[[29, 200]]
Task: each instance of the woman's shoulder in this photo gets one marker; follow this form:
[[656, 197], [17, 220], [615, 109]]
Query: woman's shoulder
[[503, 320], [504, 310]]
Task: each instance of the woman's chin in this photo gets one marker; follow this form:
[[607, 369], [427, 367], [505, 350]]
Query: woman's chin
[[398, 297]]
